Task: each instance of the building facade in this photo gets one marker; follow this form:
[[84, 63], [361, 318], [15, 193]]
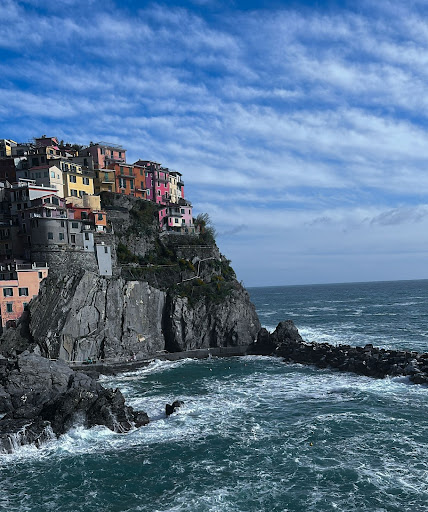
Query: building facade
[[19, 283]]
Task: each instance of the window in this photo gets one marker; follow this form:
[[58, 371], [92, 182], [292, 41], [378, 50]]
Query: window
[[23, 292], [73, 193], [84, 215], [85, 181], [40, 275], [141, 172], [50, 236], [86, 236], [73, 179], [158, 192], [106, 250], [7, 292], [9, 307], [48, 213], [106, 176], [85, 162], [62, 224], [182, 210], [52, 174], [75, 225], [61, 236], [47, 200], [100, 216], [73, 239], [183, 221], [46, 174], [148, 191], [176, 220], [55, 200], [132, 185]]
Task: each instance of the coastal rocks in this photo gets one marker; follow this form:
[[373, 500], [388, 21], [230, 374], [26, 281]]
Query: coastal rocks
[[286, 342], [229, 323], [171, 408], [42, 399]]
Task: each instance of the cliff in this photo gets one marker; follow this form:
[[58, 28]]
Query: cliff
[[167, 293]]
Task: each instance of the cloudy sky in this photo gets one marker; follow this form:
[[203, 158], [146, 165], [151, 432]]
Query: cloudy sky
[[300, 127]]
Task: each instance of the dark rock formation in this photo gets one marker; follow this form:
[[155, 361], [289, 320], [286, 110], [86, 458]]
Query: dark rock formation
[[41, 399], [171, 408], [286, 342]]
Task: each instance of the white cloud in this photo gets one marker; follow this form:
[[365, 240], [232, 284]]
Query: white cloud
[[308, 124]]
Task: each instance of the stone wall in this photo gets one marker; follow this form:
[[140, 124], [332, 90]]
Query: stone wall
[[66, 261]]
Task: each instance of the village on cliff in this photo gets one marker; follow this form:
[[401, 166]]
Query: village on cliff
[[50, 206]]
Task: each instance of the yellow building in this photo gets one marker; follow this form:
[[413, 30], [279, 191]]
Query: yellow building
[[77, 182], [104, 181], [6, 146]]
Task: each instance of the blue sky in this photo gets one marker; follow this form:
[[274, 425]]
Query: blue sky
[[300, 127]]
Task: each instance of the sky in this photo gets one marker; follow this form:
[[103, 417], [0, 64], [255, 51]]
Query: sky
[[299, 127]]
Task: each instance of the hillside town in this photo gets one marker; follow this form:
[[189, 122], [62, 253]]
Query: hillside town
[[50, 206]]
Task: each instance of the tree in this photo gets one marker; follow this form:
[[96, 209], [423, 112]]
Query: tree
[[206, 228]]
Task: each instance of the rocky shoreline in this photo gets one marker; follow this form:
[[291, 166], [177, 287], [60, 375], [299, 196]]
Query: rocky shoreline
[[41, 399], [370, 361]]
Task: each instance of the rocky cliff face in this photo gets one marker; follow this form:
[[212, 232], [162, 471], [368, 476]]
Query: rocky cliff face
[[168, 293]]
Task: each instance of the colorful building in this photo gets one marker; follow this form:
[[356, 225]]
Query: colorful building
[[130, 179], [177, 218], [6, 146], [77, 182], [104, 181], [104, 154], [19, 283]]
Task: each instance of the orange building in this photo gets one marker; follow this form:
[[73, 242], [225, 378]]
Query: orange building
[[130, 179], [19, 283], [99, 218]]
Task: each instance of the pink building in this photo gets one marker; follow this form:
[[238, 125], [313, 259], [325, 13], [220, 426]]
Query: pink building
[[19, 283], [178, 218], [104, 154], [157, 182]]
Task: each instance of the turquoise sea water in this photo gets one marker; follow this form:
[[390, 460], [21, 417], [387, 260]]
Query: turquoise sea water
[[254, 433]]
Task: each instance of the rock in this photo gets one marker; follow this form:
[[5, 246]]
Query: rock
[[42, 399], [229, 323], [286, 342], [169, 409]]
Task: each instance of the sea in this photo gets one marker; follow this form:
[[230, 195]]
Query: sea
[[255, 433]]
